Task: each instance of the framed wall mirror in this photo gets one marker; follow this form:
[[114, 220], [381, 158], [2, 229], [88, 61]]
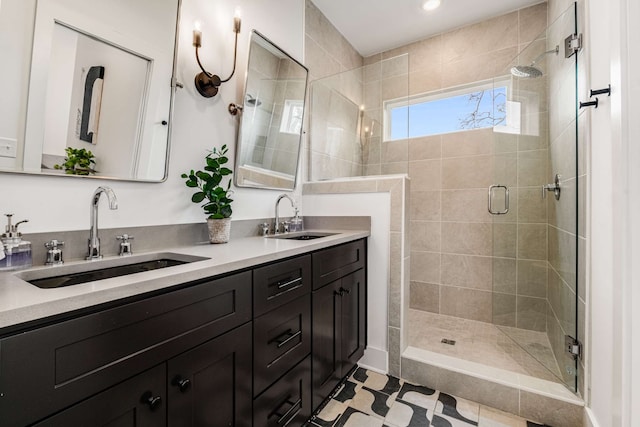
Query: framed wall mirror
[[270, 135], [87, 76]]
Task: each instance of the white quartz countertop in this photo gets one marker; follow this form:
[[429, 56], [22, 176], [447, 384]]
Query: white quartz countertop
[[22, 302]]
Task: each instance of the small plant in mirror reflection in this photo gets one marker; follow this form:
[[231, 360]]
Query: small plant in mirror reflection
[[210, 185], [78, 162]]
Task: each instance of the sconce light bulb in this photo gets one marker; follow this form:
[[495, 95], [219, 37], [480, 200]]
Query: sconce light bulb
[[197, 34], [362, 108], [237, 22], [431, 4]]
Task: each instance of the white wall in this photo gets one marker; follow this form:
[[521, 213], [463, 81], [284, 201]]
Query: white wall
[[376, 205], [55, 204], [613, 398]]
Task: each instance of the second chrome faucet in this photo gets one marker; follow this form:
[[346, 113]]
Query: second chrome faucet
[[94, 240]]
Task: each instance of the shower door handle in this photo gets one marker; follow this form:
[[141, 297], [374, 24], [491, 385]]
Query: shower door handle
[[506, 200]]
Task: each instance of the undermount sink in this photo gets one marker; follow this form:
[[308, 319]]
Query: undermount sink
[[302, 235], [75, 274]]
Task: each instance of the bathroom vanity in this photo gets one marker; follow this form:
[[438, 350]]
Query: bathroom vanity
[[257, 338]]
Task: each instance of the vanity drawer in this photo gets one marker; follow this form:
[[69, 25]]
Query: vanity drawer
[[282, 338], [287, 402], [333, 263], [60, 364], [280, 283]]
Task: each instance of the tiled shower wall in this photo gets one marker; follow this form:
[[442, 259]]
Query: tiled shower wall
[[458, 250]]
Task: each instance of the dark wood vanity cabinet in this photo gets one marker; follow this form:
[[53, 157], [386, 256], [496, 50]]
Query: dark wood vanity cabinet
[[339, 318], [256, 348], [51, 368]]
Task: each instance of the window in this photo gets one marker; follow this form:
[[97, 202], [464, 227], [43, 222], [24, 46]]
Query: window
[[479, 106]]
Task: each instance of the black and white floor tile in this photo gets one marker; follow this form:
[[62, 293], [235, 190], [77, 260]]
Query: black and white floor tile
[[370, 399]]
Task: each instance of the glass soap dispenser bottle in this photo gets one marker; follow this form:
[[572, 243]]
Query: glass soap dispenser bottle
[[17, 252], [296, 223]]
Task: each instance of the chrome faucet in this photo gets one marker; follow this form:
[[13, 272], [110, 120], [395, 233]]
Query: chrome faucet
[[276, 226], [94, 240]]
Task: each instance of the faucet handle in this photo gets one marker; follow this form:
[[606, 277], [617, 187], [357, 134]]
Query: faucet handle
[[54, 253], [264, 229], [125, 245], [285, 226]]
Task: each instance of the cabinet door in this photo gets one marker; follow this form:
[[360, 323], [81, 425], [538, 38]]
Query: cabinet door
[[353, 311], [137, 402], [326, 359], [210, 385]]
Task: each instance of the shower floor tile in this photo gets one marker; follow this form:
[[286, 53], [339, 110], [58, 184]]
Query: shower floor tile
[[370, 399], [501, 347]]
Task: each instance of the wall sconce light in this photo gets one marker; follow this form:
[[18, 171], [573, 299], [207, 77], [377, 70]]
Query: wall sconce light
[[206, 83]]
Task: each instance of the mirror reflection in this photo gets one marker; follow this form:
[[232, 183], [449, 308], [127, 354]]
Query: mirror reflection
[[272, 114], [92, 94]]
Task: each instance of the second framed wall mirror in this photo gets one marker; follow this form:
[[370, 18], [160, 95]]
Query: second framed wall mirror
[[273, 106]]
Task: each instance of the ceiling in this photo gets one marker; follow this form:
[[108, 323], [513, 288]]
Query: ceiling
[[374, 26]]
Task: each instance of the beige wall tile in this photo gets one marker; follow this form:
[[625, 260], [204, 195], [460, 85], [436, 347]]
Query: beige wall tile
[[532, 278], [425, 174], [465, 206], [466, 303], [467, 172], [504, 309], [487, 36], [562, 300], [477, 68], [425, 205], [532, 314], [562, 213], [467, 238], [425, 80], [562, 254], [427, 147], [425, 297], [505, 240], [532, 241], [504, 275], [532, 22], [467, 271], [532, 208], [425, 267], [395, 351], [467, 143], [394, 168], [423, 54], [395, 87], [395, 151], [425, 236], [532, 168]]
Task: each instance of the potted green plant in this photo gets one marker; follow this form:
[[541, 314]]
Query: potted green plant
[[78, 162], [215, 193]]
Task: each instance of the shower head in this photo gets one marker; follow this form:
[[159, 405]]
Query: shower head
[[251, 101], [527, 71], [531, 71]]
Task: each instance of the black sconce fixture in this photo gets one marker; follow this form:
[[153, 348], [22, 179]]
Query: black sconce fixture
[[206, 83]]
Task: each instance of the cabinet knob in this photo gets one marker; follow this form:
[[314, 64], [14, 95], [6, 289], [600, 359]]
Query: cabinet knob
[[183, 384], [154, 402]]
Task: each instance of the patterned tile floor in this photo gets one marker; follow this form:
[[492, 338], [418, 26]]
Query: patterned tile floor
[[370, 399]]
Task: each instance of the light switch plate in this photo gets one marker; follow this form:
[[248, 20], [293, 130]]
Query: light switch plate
[[8, 147]]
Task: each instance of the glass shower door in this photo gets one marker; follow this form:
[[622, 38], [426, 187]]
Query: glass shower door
[[533, 203]]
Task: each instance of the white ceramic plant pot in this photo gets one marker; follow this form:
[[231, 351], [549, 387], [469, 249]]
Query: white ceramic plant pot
[[219, 230]]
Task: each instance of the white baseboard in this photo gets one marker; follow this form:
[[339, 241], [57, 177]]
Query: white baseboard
[[375, 359]]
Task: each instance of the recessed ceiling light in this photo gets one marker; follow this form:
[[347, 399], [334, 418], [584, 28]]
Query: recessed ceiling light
[[431, 4]]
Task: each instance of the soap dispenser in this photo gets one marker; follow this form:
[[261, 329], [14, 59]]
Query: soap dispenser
[[296, 222], [17, 252]]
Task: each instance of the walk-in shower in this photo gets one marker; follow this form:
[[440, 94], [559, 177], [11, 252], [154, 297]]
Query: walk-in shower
[[494, 276]]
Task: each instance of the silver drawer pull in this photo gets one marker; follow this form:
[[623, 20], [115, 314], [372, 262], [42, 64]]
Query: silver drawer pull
[[506, 200], [288, 283], [297, 404], [285, 337]]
